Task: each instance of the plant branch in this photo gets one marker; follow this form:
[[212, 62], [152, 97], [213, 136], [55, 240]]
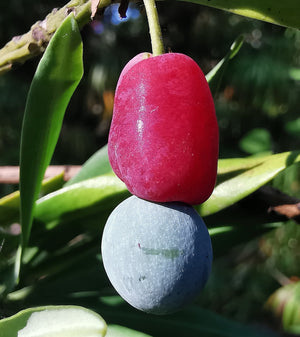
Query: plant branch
[[10, 174], [154, 27], [34, 42]]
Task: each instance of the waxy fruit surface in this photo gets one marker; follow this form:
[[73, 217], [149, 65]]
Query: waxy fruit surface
[[157, 256], [163, 141]]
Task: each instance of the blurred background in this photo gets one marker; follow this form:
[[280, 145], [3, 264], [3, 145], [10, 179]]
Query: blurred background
[[257, 107]]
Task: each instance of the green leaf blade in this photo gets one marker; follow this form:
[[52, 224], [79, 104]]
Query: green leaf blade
[[284, 13], [80, 199], [246, 181], [98, 164], [57, 76], [214, 77], [68, 320]]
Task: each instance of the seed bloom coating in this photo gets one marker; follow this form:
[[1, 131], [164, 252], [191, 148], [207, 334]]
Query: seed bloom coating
[[157, 256], [163, 140]]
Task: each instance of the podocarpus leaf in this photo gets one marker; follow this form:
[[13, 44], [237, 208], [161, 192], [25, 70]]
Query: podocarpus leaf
[[284, 13], [237, 178], [53, 321], [96, 165], [103, 192], [244, 180], [54, 82], [121, 331], [214, 77], [10, 204]]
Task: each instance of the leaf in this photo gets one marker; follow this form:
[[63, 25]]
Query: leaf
[[284, 13], [256, 140], [293, 127], [214, 77], [54, 321], [245, 182], [54, 82], [96, 165], [98, 193], [121, 331], [190, 322], [285, 305], [10, 204], [237, 178], [231, 165], [225, 237]]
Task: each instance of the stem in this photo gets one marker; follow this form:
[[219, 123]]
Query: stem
[[154, 27], [33, 43]]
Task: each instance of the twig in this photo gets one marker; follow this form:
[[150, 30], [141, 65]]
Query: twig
[[275, 202], [10, 174], [154, 27], [34, 42]]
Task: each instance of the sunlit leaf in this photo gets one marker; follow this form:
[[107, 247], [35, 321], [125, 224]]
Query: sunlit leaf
[[54, 82], [225, 237], [293, 127], [10, 204], [96, 165], [245, 182], [284, 13], [256, 140], [102, 192], [54, 321]]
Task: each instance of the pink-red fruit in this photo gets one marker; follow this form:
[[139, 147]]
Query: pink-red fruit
[[163, 141]]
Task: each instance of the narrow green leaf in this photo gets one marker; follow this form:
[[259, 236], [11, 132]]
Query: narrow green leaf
[[190, 322], [76, 200], [237, 178], [53, 321], [231, 165], [10, 204], [238, 187], [96, 165], [225, 237], [54, 82], [284, 13], [214, 77], [121, 331]]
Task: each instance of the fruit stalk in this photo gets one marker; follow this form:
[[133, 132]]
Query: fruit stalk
[[154, 27]]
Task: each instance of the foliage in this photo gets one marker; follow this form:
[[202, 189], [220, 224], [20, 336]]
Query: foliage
[[61, 262]]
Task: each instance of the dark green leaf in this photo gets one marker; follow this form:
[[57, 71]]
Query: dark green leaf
[[98, 193], [121, 331], [68, 320], [293, 127], [55, 80]]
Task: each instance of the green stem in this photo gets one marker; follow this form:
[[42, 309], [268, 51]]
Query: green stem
[[154, 27]]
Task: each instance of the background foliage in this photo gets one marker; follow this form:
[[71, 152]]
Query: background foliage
[[257, 105]]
